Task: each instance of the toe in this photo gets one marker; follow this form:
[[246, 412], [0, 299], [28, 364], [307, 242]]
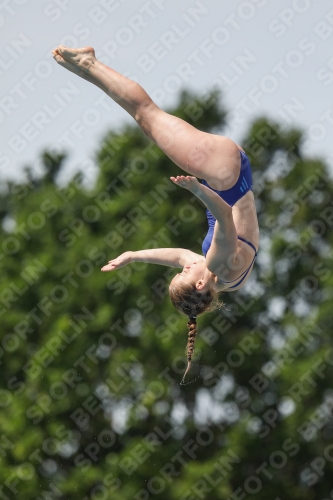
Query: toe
[[62, 50], [60, 60]]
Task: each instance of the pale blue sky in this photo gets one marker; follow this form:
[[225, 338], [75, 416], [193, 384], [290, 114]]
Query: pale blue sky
[[270, 57]]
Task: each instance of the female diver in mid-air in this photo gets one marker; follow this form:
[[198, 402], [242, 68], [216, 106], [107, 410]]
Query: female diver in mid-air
[[232, 241]]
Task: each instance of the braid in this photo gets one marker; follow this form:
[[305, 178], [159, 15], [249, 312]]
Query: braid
[[192, 331], [191, 302]]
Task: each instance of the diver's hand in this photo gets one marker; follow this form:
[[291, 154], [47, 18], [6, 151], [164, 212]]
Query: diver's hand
[[121, 261], [187, 182]]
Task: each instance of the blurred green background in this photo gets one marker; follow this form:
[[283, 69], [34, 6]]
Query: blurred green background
[[91, 405]]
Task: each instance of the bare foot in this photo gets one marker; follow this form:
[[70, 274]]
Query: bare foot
[[71, 67], [76, 70], [82, 58]]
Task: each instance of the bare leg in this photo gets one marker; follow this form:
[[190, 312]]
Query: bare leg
[[203, 155], [128, 94]]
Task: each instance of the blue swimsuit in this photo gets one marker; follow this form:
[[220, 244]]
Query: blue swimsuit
[[231, 196]]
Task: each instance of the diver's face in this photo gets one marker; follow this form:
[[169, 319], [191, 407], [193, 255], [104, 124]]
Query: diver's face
[[192, 273]]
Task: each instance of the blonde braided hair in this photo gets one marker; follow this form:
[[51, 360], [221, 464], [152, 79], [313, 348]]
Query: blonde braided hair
[[192, 331], [192, 302]]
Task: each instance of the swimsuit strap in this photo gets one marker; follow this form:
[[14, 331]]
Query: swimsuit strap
[[243, 278], [247, 270], [249, 243]]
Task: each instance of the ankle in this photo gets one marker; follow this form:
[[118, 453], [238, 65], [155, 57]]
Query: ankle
[[90, 63]]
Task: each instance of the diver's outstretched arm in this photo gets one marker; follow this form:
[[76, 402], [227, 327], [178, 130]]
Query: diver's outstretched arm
[[225, 242], [171, 257]]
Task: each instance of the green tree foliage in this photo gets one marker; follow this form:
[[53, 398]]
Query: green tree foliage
[[91, 406]]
